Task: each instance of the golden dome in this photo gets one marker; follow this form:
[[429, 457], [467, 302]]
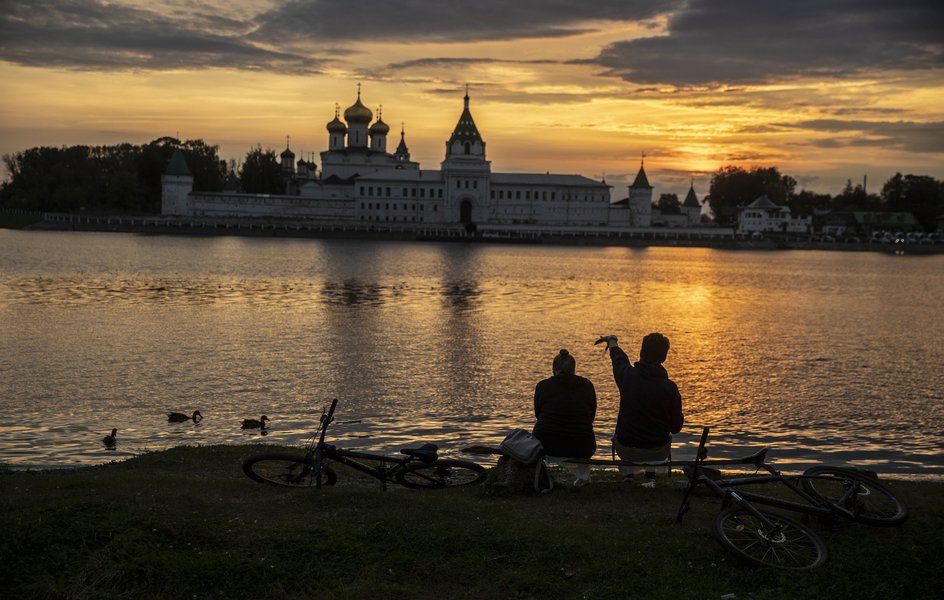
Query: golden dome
[[358, 113]]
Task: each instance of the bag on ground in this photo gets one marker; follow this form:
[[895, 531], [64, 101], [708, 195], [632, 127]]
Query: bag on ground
[[522, 446]]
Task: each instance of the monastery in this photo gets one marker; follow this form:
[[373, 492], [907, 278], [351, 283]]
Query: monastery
[[361, 181]]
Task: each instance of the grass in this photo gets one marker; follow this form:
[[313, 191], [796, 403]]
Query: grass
[[186, 523], [18, 221]]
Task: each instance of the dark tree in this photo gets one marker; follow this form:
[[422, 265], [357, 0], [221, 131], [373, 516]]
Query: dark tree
[[669, 204], [856, 198], [733, 187], [806, 202], [260, 173], [920, 195], [209, 171], [104, 178]]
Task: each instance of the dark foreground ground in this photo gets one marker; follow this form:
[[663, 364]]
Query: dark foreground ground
[[186, 523]]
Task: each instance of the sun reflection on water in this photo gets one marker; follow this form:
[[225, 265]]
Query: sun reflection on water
[[445, 342]]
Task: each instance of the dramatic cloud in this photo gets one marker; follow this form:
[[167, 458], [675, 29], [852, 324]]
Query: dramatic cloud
[[912, 137], [447, 20], [748, 42], [93, 35], [289, 37]]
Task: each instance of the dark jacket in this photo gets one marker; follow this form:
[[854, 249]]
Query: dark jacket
[[565, 407], [650, 403]]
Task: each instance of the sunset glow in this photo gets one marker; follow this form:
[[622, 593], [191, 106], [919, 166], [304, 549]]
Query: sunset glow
[[585, 89]]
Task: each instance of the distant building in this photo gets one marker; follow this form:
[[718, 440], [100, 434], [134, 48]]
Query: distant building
[[360, 181], [865, 223], [643, 214], [763, 216]]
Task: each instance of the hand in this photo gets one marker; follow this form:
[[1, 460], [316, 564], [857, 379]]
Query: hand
[[609, 339]]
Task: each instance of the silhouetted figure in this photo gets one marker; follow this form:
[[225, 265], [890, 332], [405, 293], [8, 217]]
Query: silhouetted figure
[[565, 406], [254, 424], [650, 405], [176, 417], [111, 440]]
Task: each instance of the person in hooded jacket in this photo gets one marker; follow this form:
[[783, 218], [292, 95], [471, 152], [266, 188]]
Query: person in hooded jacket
[[565, 406], [650, 405]]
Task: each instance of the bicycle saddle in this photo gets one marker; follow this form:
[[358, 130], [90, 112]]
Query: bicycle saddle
[[425, 453], [756, 459]]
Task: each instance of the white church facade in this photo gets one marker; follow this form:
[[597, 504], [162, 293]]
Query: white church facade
[[360, 181]]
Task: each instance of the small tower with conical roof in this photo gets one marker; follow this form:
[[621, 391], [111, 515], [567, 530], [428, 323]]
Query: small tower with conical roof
[[378, 133], [691, 207], [465, 141], [403, 153], [466, 173], [640, 198], [176, 186], [358, 118]]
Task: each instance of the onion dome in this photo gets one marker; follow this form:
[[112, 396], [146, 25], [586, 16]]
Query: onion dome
[[357, 112], [379, 127], [287, 154], [336, 125]]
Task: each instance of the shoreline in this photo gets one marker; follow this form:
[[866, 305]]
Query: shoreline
[[283, 228]]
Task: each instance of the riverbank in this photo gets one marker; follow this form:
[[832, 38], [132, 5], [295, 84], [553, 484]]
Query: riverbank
[[187, 523], [718, 238]]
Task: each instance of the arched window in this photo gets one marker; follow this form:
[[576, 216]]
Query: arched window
[[468, 148]]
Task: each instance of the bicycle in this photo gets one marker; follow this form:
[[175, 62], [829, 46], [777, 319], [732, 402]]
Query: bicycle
[[774, 540], [422, 467]]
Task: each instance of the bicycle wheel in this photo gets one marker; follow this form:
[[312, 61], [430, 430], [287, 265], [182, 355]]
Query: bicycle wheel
[[441, 473], [288, 470], [857, 496], [786, 545]]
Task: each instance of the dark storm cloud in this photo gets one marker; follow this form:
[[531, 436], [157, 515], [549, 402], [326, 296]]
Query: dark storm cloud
[[447, 20], [745, 41], [94, 35], [913, 137], [295, 36]]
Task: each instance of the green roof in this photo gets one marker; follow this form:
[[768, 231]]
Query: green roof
[[465, 130], [177, 166], [691, 200], [641, 180], [232, 183]]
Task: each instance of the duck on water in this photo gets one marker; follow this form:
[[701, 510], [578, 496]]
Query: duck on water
[[254, 424], [111, 440], [176, 417]]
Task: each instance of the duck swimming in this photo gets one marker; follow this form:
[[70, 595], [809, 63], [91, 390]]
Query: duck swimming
[[254, 424], [111, 440], [176, 417]]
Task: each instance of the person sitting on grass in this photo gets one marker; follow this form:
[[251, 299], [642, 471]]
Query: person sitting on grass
[[565, 406], [650, 405]]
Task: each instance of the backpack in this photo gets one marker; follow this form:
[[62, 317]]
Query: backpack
[[523, 461], [522, 446]]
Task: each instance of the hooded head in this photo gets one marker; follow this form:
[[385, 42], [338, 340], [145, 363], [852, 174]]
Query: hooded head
[[655, 347]]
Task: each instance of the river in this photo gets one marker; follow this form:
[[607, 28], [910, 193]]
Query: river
[[823, 356]]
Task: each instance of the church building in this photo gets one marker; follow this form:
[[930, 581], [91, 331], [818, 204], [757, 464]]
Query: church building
[[361, 181]]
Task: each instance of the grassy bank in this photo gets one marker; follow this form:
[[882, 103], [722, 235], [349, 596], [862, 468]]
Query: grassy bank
[[185, 523], [19, 220]]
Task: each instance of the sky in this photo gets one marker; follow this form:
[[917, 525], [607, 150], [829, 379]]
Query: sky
[[828, 91]]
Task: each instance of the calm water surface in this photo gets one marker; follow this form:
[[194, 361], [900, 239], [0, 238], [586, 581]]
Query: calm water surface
[[824, 356]]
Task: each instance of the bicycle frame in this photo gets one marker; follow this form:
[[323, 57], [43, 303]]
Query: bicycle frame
[[730, 489], [320, 451]]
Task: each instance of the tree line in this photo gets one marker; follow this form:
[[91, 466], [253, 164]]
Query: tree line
[[733, 187], [127, 178], [122, 178]]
